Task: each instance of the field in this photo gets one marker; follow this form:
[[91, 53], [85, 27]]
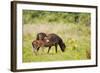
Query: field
[[75, 32]]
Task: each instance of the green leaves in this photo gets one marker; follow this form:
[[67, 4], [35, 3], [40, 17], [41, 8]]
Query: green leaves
[[34, 16]]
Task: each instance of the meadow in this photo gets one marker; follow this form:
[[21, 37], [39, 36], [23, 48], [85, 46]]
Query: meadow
[[73, 28]]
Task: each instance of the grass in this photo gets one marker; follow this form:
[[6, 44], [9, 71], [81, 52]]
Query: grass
[[76, 38]]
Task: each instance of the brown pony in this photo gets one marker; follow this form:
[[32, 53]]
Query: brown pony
[[41, 43], [49, 40]]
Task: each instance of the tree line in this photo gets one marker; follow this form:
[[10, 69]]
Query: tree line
[[37, 16]]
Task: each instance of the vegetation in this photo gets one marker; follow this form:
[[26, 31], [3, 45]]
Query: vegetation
[[30, 17], [73, 28]]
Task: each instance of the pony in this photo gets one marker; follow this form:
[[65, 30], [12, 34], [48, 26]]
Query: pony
[[44, 40]]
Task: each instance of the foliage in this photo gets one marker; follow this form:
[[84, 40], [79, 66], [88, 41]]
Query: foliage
[[30, 16]]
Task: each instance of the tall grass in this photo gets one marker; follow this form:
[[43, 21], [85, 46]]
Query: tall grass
[[76, 39]]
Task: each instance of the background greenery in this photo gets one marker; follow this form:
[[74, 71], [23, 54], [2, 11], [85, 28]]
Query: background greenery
[[73, 28]]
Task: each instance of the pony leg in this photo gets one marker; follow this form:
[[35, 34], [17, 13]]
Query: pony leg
[[49, 49], [56, 48], [43, 50], [38, 49]]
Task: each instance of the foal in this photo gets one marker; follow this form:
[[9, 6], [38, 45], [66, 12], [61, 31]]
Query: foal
[[41, 43]]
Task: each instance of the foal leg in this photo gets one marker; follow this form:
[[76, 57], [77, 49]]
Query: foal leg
[[38, 49], [43, 50], [34, 49], [49, 49]]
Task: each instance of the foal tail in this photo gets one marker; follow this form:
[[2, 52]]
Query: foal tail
[[62, 45]]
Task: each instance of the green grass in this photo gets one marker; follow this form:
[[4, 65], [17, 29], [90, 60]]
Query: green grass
[[75, 37]]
